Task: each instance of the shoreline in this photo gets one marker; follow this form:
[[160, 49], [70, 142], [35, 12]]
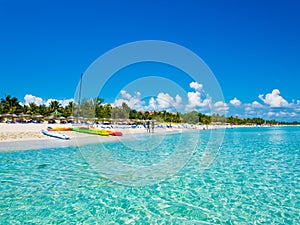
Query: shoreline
[[19, 137]]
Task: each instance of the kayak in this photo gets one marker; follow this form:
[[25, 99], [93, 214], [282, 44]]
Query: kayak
[[114, 133], [55, 135], [58, 128], [110, 132], [90, 131]]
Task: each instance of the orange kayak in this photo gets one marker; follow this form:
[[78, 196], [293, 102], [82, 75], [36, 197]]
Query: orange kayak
[[58, 128]]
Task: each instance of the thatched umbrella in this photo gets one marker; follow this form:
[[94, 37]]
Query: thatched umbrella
[[37, 117], [49, 118], [24, 115]]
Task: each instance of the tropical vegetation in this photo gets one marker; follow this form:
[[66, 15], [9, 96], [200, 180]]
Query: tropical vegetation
[[94, 108]]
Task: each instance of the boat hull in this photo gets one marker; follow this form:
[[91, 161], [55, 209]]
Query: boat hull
[[55, 135]]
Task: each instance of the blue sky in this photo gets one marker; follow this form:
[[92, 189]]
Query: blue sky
[[252, 47]]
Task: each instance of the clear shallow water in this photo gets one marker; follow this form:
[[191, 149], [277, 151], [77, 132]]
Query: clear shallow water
[[254, 179]]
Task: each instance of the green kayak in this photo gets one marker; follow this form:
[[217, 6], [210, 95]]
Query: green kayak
[[87, 131]]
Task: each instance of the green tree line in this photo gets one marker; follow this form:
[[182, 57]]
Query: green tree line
[[94, 108]]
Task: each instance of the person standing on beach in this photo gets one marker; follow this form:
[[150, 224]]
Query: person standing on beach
[[148, 126], [152, 126]]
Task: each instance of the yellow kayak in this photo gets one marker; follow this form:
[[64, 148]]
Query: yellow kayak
[[91, 131]]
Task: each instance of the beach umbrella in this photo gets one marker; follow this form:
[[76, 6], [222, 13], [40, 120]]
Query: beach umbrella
[[70, 117], [61, 118], [37, 117], [10, 116], [24, 115], [55, 113], [5, 115]]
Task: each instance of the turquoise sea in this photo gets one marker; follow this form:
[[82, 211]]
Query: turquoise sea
[[253, 178]]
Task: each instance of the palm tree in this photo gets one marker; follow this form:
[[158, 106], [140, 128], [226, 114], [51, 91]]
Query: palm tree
[[54, 106], [43, 110], [68, 110], [33, 109], [107, 111], [10, 105], [98, 107]]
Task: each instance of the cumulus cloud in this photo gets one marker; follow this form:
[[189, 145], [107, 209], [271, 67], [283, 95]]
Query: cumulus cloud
[[270, 114], [165, 101], [29, 98], [63, 103], [195, 85], [221, 106], [132, 101], [125, 94], [196, 99], [33, 99], [66, 102], [152, 104], [235, 102], [273, 105], [256, 104], [274, 99]]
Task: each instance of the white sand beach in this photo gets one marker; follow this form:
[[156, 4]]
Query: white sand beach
[[28, 136]]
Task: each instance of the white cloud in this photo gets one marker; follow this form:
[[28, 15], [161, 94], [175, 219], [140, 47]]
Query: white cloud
[[194, 100], [195, 85], [165, 101], [197, 100], [270, 114], [152, 104], [248, 108], [125, 94], [132, 101], [256, 104], [29, 98], [251, 112], [64, 102], [274, 99], [33, 99], [221, 106], [235, 102]]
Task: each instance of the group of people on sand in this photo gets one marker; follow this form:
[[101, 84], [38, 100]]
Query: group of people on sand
[[152, 126]]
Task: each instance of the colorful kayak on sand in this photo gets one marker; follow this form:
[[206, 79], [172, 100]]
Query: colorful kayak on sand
[[58, 128], [110, 132], [90, 131], [114, 133]]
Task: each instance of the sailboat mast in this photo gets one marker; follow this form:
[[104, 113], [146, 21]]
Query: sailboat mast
[[79, 96]]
